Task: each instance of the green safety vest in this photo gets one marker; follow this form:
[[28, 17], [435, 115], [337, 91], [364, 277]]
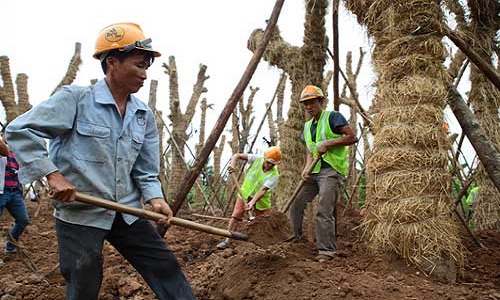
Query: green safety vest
[[336, 157], [471, 198], [254, 180]]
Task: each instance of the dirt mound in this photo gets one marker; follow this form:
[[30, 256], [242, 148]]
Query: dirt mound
[[266, 231], [265, 267]]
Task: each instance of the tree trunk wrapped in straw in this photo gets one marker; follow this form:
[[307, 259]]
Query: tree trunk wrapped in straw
[[73, 68], [7, 93], [218, 182], [485, 101], [304, 65], [246, 118], [181, 121], [153, 88], [408, 186], [198, 199]]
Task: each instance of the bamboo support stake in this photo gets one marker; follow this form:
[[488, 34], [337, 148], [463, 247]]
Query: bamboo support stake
[[240, 171], [354, 189], [200, 188], [485, 149], [480, 63], [336, 66], [205, 151]]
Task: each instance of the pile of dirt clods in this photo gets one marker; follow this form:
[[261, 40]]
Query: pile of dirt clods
[[264, 267]]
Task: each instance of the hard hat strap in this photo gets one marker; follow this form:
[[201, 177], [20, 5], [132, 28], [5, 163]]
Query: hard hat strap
[[145, 44], [272, 161]]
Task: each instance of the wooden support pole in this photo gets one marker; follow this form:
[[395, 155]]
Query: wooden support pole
[[354, 96], [336, 65], [299, 187], [354, 190], [212, 139], [480, 63], [485, 150]]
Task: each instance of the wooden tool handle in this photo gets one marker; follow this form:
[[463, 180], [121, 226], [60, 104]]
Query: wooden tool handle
[[299, 186], [147, 214], [251, 215]]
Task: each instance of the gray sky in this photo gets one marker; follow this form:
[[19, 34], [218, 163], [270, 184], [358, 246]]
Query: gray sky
[[39, 39]]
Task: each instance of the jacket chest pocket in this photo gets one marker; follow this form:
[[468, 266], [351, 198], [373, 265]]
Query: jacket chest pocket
[[136, 143], [92, 143]]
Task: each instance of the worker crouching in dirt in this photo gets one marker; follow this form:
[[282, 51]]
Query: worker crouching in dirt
[[327, 135], [260, 179], [103, 142]]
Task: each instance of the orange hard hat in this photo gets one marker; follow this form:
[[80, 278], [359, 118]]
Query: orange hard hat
[[123, 37], [311, 92], [273, 155]]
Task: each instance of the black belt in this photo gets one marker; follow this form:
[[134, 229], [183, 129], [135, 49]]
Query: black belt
[[11, 189]]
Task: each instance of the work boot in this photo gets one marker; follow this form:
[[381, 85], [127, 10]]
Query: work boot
[[323, 257], [222, 245], [294, 239], [10, 248]]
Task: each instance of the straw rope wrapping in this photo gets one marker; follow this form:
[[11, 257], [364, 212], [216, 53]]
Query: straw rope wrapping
[[485, 100], [408, 185]]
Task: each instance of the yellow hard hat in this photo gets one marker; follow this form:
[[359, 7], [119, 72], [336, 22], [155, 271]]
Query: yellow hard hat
[[311, 92], [273, 155], [123, 37]]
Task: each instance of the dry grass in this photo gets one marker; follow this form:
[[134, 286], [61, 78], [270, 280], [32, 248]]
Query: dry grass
[[413, 65], [418, 241], [411, 91], [408, 185], [420, 135], [411, 114], [409, 158], [415, 44], [400, 17]]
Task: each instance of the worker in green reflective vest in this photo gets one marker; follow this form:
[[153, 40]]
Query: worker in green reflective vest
[[327, 134], [260, 179], [471, 200]]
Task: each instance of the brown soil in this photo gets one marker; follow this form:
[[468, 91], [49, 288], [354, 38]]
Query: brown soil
[[265, 268]]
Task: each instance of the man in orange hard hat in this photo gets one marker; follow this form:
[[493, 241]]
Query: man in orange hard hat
[[104, 142], [327, 135], [260, 179]]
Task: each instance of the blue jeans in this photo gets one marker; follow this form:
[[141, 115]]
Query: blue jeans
[[81, 259], [13, 201]]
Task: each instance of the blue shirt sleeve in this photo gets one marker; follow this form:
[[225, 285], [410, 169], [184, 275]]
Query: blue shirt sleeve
[[337, 120]]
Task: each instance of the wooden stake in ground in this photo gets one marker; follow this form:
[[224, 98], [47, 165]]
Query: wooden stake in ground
[[482, 65], [205, 151], [479, 139]]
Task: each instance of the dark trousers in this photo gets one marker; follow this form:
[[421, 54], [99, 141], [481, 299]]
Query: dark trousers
[[81, 259], [326, 184]]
